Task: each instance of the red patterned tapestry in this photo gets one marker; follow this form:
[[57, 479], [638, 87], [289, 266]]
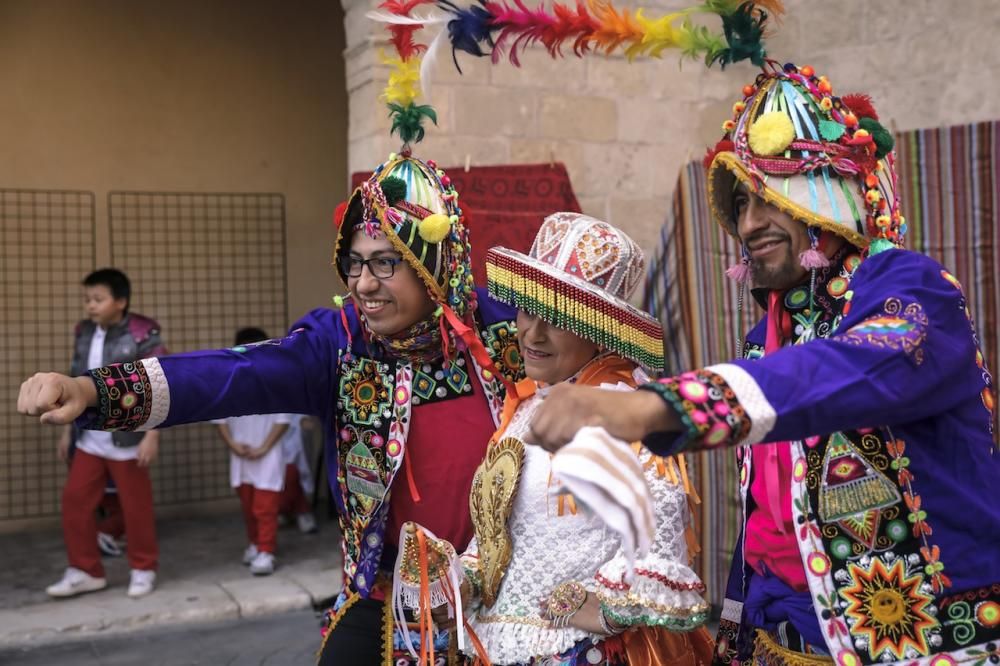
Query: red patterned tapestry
[[505, 205]]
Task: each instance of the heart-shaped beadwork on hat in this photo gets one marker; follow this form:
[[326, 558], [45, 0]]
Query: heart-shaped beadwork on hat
[[550, 237], [596, 252]]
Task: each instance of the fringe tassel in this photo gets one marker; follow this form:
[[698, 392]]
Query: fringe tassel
[[689, 487], [409, 595], [445, 591], [813, 258], [398, 609], [739, 272]]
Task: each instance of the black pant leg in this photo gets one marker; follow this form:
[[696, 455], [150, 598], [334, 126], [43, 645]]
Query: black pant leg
[[357, 638]]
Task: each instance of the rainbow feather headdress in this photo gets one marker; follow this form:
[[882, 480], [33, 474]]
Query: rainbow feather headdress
[[497, 27]]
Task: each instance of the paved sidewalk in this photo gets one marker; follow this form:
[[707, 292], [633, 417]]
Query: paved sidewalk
[[201, 579]]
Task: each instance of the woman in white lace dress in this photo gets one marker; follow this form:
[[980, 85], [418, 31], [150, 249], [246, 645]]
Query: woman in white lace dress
[[545, 582]]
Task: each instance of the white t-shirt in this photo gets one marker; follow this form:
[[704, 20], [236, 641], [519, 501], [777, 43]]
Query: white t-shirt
[[295, 454], [95, 442], [267, 473]]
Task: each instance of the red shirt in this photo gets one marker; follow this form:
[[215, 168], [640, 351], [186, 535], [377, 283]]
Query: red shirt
[[446, 443], [765, 543]]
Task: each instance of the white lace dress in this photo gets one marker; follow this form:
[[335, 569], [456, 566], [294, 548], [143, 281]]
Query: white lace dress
[[549, 549]]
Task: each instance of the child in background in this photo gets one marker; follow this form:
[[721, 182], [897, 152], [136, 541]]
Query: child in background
[[299, 484], [110, 334], [257, 471]]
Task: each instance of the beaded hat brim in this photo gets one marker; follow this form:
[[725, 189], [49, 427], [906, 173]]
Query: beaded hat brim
[[575, 305]]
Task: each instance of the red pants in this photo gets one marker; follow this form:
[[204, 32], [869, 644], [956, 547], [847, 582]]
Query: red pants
[[113, 520], [293, 500], [81, 496], [260, 513]]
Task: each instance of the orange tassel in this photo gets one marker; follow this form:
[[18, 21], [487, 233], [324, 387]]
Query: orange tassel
[[426, 621], [689, 488], [671, 468], [414, 494], [566, 503]]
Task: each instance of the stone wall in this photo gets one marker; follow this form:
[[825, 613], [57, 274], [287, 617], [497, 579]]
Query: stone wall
[[624, 130]]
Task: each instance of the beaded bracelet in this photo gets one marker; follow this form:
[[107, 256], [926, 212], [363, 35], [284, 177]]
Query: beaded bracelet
[[606, 625]]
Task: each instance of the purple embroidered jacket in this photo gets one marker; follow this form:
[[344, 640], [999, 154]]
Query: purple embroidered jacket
[[365, 399], [886, 400]]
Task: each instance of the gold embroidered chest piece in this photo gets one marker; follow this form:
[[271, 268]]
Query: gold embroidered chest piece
[[491, 501]]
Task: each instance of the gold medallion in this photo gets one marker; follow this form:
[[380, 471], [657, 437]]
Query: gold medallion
[[491, 501]]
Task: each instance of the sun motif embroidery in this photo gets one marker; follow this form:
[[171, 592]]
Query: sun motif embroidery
[[501, 343], [365, 392], [888, 609]]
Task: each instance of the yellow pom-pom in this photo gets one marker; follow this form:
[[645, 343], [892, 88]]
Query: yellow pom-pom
[[729, 125], [826, 104], [771, 134], [739, 107], [434, 228]]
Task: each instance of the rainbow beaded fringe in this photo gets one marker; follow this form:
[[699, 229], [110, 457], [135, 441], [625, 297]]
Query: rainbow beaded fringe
[[574, 305]]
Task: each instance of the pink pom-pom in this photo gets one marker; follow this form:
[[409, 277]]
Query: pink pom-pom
[[813, 258], [739, 272]]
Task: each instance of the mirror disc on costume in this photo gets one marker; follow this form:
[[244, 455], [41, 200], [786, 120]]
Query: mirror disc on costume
[[837, 286], [797, 298]]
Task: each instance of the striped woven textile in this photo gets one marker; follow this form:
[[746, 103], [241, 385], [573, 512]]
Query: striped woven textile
[[687, 289], [603, 474], [950, 186], [950, 183]]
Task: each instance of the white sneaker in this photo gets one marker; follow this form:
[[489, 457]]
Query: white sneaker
[[262, 565], [141, 583], [107, 545], [249, 554], [75, 582], [306, 523]]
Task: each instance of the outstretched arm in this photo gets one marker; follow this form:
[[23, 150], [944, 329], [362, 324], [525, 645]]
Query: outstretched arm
[[296, 373], [906, 335]]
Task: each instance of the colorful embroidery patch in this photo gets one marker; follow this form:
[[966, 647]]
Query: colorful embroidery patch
[[124, 396], [709, 408], [500, 340], [898, 328], [433, 382], [364, 391], [888, 610], [851, 486]]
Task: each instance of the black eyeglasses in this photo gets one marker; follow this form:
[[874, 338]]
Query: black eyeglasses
[[380, 267]]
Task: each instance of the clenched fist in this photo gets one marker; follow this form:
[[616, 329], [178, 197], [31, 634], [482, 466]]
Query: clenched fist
[[56, 399]]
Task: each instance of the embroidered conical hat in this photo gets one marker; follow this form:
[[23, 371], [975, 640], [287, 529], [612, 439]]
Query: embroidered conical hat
[[824, 159]]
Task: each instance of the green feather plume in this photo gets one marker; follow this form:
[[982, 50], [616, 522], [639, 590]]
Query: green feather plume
[[744, 31], [407, 121]]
